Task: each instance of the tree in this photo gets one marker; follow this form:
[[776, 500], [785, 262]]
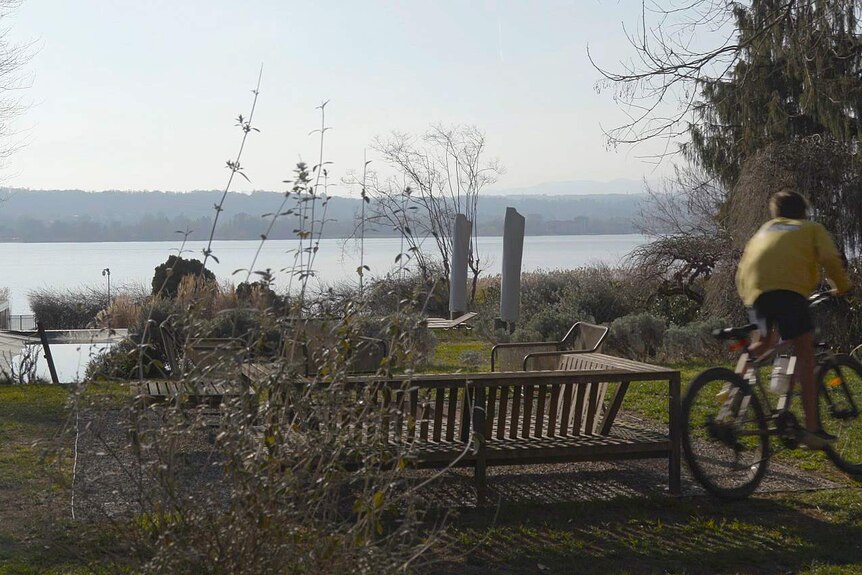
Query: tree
[[167, 277], [689, 239], [776, 101], [13, 58], [444, 171], [779, 66]]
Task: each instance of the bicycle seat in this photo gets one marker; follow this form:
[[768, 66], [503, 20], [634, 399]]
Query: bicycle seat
[[734, 332]]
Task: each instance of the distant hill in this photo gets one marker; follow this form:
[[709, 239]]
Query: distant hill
[[78, 216]]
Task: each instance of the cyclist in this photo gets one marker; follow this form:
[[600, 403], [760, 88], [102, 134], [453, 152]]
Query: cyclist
[[778, 270]]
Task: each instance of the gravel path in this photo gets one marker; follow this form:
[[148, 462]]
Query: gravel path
[[109, 481]]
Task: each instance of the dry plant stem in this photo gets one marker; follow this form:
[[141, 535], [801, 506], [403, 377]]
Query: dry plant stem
[[364, 199], [235, 167], [320, 170]]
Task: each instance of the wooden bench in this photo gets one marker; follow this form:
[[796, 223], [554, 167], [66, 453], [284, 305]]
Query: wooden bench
[[209, 372], [582, 337], [443, 323], [522, 418]]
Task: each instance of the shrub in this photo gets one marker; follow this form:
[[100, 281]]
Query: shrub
[[522, 335], [551, 301], [549, 324], [693, 341], [167, 277], [471, 358], [67, 309], [123, 312], [638, 336], [123, 361]]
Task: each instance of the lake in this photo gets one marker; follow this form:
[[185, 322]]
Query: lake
[[70, 265]]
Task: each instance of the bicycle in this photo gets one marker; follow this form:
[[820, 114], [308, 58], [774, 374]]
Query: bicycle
[[740, 429]]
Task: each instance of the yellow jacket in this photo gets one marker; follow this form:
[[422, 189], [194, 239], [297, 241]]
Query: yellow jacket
[[786, 254]]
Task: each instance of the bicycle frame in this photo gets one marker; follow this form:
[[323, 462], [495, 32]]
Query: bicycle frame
[[749, 369]]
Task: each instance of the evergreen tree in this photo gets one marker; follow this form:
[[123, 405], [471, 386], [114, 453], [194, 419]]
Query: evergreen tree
[[797, 76]]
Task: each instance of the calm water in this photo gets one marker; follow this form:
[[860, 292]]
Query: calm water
[[61, 265], [70, 360]]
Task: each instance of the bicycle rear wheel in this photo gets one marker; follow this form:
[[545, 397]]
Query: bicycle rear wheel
[[839, 384], [724, 434]]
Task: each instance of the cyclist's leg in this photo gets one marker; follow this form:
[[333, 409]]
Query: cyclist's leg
[[763, 342], [803, 347], [765, 337]]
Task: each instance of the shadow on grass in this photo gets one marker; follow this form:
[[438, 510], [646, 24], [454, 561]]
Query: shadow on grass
[[660, 535], [65, 547]]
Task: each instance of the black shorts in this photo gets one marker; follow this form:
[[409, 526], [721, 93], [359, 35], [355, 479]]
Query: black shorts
[[786, 310]]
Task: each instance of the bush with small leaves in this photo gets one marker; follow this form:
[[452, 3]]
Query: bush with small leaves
[[167, 277], [638, 336], [693, 341]]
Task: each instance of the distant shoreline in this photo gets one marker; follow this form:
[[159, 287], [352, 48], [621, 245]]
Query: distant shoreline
[[325, 237]]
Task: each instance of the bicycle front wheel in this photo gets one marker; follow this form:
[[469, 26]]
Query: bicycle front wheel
[[839, 382], [724, 434]]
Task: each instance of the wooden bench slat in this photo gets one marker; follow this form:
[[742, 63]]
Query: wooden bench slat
[[399, 415], [502, 412], [426, 415], [386, 420], [540, 411], [467, 399], [566, 413], [516, 412], [592, 407], [528, 411], [450, 415], [552, 410], [580, 392], [438, 412], [490, 410], [413, 419]]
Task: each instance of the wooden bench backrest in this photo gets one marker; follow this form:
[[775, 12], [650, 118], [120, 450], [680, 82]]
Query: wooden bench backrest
[[582, 336], [442, 414], [512, 358], [215, 358], [316, 337], [543, 410], [585, 336]]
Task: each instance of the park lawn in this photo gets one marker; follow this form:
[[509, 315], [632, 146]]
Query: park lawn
[[458, 350], [37, 534], [789, 533], [786, 533]]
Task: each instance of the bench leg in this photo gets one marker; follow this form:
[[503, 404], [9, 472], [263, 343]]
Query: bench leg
[[481, 480]]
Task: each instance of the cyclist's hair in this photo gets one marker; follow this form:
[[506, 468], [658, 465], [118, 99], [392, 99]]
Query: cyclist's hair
[[788, 204]]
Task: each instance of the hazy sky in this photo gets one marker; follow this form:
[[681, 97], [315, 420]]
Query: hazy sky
[[143, 94]]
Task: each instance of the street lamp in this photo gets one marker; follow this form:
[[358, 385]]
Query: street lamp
[[106, 273]]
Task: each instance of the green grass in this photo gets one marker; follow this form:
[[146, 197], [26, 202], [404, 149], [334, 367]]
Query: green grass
[[799, 533], [813, 533], [809, 533], [36, 532], [453, 348]]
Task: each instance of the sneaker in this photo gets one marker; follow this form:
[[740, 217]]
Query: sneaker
[[816, 439]]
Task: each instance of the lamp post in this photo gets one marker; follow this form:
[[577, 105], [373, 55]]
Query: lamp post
[[106, 273]]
